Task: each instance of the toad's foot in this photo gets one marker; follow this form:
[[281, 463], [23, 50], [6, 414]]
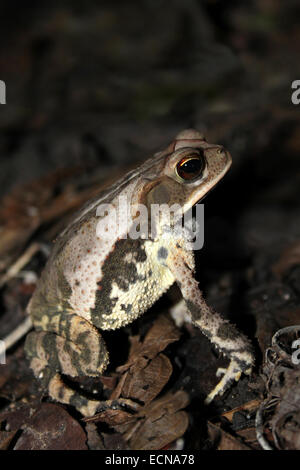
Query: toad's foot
[[231, 374]]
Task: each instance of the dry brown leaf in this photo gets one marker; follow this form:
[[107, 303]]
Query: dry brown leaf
[[51, 427], [159, 423], [5, 439], [248, 436], [111, 417], [16, 380], [145, 383], [249, 406], [289, 257], [28, 206], [286, 420], [20, 212], [161, 334], [167, 404], [94, 440], [158, 434], [222, 440]]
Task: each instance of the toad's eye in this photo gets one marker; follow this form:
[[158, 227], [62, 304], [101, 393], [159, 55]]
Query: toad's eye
[[191, 167]]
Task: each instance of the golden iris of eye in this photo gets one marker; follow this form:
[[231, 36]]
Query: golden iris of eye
[[190, 168]]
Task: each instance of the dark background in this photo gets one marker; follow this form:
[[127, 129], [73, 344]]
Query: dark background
[[105, 84], [113, 81]]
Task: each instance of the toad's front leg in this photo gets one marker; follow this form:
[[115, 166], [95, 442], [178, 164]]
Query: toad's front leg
[[221, 333]]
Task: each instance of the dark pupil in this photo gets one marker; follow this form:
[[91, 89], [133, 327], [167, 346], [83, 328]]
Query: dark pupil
[[190, 168]]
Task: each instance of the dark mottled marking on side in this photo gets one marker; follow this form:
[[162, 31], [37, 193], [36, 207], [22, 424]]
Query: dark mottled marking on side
[[103, 356], [49, 346], [65, 326], [206, 332], [84, 359], [61, 392], [187, 266], [47, 376], [79, 359], [82, 342], [228, 331], [117, 270], [66, 291], [243, 365], [78, 401], [127, 308], [196, 315], [53, 290], [247, 348], [194, 309], [75, 357], [30, 345], [162, 253]]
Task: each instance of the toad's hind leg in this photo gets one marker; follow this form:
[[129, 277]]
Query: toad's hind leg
[[72, 347]]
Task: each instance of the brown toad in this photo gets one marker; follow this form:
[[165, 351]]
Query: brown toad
[[94, 282]]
